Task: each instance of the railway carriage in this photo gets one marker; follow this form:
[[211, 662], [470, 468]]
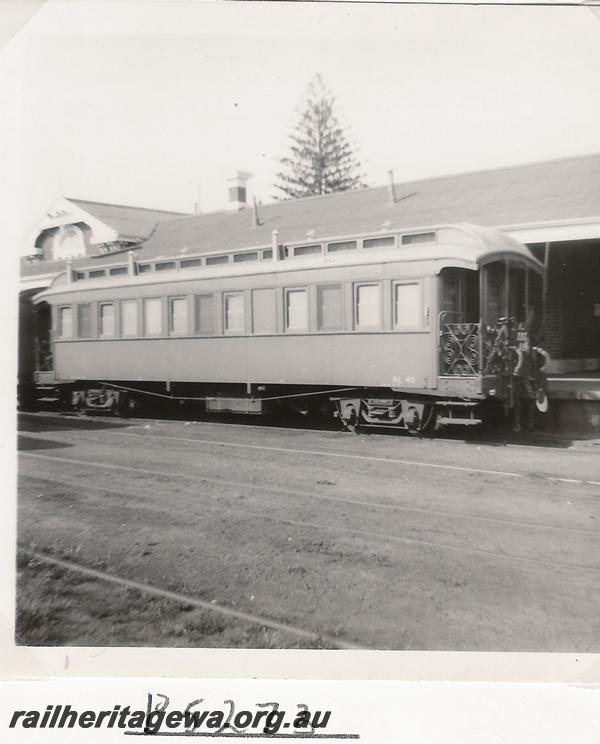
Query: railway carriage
[[407, 329]]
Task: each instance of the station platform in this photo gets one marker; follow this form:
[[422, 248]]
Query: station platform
[[575, 400], [575, 386]]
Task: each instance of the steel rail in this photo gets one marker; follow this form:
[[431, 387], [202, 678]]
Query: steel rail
[[180, 598], [104, 423], [352, 456], [320, 526], [348, 501]]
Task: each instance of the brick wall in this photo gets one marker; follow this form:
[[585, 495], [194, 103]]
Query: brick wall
[[573, 286]]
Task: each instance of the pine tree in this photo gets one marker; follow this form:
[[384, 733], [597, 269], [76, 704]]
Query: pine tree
[[321, 159]]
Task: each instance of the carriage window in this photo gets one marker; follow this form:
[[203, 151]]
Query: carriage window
[[215, 260], [79, 275], [346, 245], [190, 263], [205, 314], [407, 305], [264, 316], [143, 268], [65, 322], [243, 257], [296, 309], [516, 293], [426, 237], [84, 320], [107, 319], [268, 254], [495, 291], [307, 250], [178, 315], [234, 313], [379, 242], [153, 316], [367, 306], [119, 271], [460, 295], [330, 308], [97, 273], [165, 266], [129, 318]]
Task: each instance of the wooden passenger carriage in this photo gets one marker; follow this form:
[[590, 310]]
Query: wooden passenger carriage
[[399, 328]]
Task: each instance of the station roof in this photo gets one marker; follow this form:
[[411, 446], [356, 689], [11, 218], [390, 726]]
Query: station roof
[[135, 223], [566, 189], [131, 223], [550, 191]]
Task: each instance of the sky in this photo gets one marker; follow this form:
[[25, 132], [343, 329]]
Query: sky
[[157, 103]]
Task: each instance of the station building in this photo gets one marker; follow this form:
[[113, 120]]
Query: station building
[[553, 206]]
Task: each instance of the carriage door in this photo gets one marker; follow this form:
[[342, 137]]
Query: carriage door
[[43, 338], [459, 322]]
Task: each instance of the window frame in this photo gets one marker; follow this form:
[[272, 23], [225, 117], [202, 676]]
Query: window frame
[[253, 330], [60, 324], [230, 331], [114, 320], [286, 293], [80, 309], [135, 304], [373, 238], [396, 326], [336, 285], [166, 265], [418, 238], [355, 292], [145, 332], [309, 253], [171, 301], [245, 257], [118, 271], [214, 318], [193, 262], [351, 242], [215, 260]]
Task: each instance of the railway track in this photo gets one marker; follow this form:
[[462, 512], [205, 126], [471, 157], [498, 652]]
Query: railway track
[[307, 494], [311, 530], [186, 601], [348, 456], [525, 440], [192, 502]]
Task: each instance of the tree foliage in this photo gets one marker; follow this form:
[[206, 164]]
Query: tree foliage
[[320, 159]]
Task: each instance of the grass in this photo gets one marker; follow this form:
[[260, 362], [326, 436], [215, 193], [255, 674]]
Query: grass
[[58, 607]]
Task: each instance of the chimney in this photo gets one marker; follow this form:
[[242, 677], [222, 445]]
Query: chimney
[[237, 190], [391, 189]]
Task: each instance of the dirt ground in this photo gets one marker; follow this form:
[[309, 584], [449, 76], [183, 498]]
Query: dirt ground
[[382, 541]]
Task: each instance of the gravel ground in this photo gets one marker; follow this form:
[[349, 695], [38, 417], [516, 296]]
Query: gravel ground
[[380, 541]]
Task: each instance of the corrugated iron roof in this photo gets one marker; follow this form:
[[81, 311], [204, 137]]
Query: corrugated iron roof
[[538, 192], [566, 189], [134, 223]]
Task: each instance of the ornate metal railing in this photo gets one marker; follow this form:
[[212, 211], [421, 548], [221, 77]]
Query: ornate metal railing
[[460, 349]]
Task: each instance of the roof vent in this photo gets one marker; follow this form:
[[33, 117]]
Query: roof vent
[[391, 189], [238, 196]]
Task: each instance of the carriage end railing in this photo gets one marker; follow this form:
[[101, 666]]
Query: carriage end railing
[[460, 348]]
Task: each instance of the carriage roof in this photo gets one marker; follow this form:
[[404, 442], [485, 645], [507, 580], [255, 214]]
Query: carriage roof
[[461, 245]]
